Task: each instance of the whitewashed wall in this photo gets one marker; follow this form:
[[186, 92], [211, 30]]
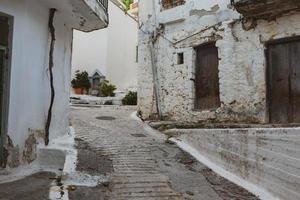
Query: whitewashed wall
[[242, 62], [30, 89], [121, 52], [266, 157], [111, 50], [90, 51]]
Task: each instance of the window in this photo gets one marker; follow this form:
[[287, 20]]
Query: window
[[137, 54], [180, 58], [167, 4], [207, 78]]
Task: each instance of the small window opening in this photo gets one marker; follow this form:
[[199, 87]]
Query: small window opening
[[180, 58], [137, 54]]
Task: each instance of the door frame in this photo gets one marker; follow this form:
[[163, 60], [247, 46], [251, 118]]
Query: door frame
[[6, 88], [267, 71]]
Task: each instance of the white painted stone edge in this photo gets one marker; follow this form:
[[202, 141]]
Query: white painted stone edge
[[69, 175], [151, 131], [258, 191]]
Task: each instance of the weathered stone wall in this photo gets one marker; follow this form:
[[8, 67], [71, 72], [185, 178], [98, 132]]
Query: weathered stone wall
[[242, 62], [266, 157]]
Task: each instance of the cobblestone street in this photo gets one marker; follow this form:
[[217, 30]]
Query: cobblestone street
[[141, 165], [134, 161]]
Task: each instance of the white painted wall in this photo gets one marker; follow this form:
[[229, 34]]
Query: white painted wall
[[265, 157], [30, 84], [111, 50], [122, 44], [90, 51], [30, 89]]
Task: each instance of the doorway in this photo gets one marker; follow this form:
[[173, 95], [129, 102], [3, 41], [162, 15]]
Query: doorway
[[283, 58], [5, 46], [207, 77]]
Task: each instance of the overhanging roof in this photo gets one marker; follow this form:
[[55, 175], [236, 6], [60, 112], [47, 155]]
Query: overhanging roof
[[266, 9]]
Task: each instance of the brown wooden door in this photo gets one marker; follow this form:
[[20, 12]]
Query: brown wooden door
[[284, 82], [207, 78], [2, 54], [4, 79]]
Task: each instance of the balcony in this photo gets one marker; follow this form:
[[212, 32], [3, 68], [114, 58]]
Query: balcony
[[84, 15], [265, 9]]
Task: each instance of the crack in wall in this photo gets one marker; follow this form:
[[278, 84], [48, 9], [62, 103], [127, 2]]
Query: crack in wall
[[51, 64]]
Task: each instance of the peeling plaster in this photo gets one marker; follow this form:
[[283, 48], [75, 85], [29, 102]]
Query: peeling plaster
[[203, 12], [30, 150], [11, 154], [242, 62]]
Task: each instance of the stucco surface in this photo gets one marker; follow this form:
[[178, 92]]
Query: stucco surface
[[267, 157], [111, 50], [30, 84], [242, 63]]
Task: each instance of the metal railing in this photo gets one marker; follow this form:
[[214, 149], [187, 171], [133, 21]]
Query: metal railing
[[104, 4]]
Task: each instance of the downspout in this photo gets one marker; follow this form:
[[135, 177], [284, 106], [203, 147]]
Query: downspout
[[50, 67], [153, 39], [155, 78]]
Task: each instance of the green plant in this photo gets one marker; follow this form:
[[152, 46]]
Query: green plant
[[127, 3], [130, 98], [107, 89], [81, 80]]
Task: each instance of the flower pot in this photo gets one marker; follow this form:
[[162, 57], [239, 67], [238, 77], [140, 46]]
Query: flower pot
[[78, 90]]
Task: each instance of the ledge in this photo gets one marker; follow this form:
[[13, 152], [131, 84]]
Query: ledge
[[265, 9]]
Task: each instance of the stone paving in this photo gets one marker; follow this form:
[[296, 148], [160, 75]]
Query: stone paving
[[141, 165], [34, 187]]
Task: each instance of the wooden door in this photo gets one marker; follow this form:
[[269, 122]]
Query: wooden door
[[2, 54], [284, 82], [4, 79], [207, 78]]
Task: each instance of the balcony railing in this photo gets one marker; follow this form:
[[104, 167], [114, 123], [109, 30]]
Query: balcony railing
[[104, 4]]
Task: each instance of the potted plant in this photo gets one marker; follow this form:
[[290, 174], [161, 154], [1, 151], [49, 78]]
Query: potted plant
[[106, 89], [81, 83]]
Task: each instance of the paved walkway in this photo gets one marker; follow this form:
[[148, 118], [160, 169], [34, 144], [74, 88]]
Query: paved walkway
[[141, 165]]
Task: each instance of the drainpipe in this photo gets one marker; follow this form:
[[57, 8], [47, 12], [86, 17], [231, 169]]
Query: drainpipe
[[155, 76]]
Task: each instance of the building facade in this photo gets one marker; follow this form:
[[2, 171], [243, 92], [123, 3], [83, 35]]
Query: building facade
[[36, 49], [236, 85], [122, 50], [229, 62]]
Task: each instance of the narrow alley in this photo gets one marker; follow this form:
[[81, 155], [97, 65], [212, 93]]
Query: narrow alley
[[139, 161], [149, 100]]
